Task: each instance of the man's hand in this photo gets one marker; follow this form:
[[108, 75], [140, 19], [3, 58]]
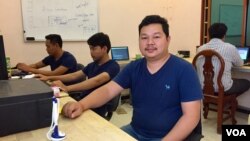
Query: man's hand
[[72, 109], [60, 84], [42, 77], [24, 67]]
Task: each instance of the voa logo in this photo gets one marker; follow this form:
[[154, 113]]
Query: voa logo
[[236, 132]]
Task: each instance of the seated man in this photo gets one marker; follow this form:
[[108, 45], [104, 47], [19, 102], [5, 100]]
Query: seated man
[[98, 73], [229, 53], [166, 106], [61, 62]]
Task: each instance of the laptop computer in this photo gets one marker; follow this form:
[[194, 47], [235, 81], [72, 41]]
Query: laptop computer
[[243, 51], [120, 53]]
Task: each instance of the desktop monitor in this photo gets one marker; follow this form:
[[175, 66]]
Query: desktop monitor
[[243, 51], [3, 66], [119, 53]]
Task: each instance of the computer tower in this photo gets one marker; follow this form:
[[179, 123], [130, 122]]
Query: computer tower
[[25, 104]]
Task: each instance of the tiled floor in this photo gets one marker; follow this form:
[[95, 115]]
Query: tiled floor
[[123, 116]]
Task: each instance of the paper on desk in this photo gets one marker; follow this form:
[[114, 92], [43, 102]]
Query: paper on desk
[[15, 77], [28, 76]]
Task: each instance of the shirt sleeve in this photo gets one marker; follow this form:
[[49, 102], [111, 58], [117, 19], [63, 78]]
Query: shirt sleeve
[[237, 61], [190, 88], [68, 62], [124, 77], [113, 70], [47, 60]]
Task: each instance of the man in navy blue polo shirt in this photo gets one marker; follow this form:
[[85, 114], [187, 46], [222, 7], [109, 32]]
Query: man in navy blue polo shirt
[[165, 89], [60, 61]]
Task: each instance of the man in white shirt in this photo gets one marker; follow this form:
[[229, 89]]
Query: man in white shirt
[[229, 53]]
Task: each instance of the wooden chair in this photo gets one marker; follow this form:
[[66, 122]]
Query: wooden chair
[[225, 104]]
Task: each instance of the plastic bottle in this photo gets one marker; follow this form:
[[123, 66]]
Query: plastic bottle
[[8, 66]]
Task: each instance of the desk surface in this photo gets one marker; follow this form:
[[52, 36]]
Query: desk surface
[[88, 127], [241, 69], [234, 69]]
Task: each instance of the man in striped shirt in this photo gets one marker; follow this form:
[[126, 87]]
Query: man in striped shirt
[[229, 53]]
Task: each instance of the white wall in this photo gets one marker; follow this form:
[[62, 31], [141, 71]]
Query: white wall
[[118, 18]]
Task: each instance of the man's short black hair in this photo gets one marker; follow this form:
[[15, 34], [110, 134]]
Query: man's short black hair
[[155, 19], [100, 39], [217, 30], [54, 38]]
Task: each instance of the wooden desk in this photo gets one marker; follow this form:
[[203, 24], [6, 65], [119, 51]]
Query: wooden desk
[[241, 69], [88, 127], [243, 99]]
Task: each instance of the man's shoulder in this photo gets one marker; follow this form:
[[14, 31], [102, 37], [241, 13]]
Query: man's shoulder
[[66, 53], [137, 63], [68, 56], [230, 45], [47, 59], [177, 59], [203, 47], [108, 63], [111, 67], [179, 64], [113, 64]]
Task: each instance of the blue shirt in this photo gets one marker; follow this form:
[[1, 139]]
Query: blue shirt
[[93, 69], [157, 97], [67, 60]]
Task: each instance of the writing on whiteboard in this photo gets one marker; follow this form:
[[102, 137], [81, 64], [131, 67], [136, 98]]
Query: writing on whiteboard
[[72, 19]]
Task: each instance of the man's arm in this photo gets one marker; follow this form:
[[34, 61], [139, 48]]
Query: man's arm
[[27, 68], [237, 61], [95, 99], [187, 122], [58, 71], [38, 65], [89, 83], [64, 78], [34, 68]]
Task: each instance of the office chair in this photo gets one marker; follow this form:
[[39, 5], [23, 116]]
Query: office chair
[[80, 66], [225, 104], [111, 106], [196, 134]]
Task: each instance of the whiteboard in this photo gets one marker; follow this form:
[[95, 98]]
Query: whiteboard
[[74, 20]]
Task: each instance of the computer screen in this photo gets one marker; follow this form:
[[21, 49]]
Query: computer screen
[[3, 66], [119, 53], [243, 51]]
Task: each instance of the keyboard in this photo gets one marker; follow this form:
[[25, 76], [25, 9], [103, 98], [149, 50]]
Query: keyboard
[[16, 72]]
